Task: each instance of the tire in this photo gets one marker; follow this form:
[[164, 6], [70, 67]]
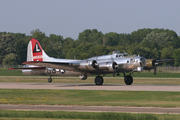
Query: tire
[[83, 77], [99, 80], [49, 80], [128, 80]]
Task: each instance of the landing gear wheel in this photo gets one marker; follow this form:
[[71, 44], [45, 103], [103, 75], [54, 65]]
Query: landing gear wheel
[[99, 80], [128, 80], [49, 80], [83, 77]]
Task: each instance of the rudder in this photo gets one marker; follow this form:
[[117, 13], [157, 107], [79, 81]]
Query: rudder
[[35, 51]]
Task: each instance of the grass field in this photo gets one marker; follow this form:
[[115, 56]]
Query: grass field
[[90, 97], [76, 115], [62, 115], [47, 115]]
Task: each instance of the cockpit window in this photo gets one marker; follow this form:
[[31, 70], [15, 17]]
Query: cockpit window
[[126, 55]]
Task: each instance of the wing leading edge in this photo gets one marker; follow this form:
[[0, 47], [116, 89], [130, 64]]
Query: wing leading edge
[[56, 65]]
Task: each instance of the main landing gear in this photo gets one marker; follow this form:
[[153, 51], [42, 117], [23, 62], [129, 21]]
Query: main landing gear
[[50, 79], [99, 80], [128, 79]]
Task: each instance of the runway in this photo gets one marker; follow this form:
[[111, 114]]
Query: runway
[[86, 86], [157, 110]]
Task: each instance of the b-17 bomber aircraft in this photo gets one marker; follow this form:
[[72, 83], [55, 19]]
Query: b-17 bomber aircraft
[[39, 63]]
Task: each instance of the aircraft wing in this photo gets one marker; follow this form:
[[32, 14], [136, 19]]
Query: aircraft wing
[[25, 68], [56, 65], [164, 60]]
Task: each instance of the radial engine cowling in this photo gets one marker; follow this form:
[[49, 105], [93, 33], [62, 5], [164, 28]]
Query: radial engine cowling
[[109, 66], [150, 63], [88, 65]]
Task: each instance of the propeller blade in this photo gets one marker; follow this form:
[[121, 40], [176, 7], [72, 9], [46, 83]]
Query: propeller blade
[[155, 70]]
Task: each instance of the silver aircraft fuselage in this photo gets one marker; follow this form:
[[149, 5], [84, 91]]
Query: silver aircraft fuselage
[[125, 63]]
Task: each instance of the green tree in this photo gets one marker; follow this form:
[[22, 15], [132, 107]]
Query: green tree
[[176, 57], [10, 59], [21, 48], [124, 40], [90, 36], [37, 34], [68, 44], [111, 38], [176, 43], [55, 44], [7, 45], [139, 35], [167, 53], [160, 38]]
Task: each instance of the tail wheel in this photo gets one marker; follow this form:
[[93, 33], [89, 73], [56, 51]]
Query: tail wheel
[[99, 80], [83, 77], [128, 80], [49, 80]]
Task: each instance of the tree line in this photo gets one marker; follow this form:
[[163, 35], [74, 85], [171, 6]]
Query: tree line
[[149, 43]]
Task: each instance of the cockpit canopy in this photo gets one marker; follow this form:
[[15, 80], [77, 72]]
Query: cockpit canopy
[[118, 54], [115, 52]]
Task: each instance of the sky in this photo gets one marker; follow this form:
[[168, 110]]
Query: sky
[[68, 18]]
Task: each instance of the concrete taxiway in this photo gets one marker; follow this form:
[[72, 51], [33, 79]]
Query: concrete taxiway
[[85, 86], [91, 108]]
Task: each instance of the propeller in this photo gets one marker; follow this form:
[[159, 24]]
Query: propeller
[[155, 66], [155, 70], [115, 67]]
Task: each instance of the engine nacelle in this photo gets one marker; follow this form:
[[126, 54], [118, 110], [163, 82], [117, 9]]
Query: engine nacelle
[[150, 63], [109, 66], [89, 65]]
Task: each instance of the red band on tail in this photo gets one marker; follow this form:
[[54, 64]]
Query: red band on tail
[[36, 50]]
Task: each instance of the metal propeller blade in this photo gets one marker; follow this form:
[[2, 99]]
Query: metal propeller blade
[[155, 67], [154, 70]]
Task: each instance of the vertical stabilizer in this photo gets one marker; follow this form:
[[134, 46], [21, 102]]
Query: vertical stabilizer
[[35, 51]]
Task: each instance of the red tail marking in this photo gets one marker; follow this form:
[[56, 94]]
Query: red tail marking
[[10, 68], [36, 50]]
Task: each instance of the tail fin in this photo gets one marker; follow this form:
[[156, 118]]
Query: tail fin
[[35, 51]]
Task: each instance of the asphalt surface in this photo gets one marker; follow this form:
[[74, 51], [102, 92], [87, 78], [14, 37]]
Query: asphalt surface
[[85, 86], [91, 108]]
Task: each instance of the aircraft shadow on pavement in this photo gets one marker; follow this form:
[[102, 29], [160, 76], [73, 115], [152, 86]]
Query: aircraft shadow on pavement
[[70, 85], [74, 85]]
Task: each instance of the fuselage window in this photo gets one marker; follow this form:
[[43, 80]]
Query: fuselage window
[[128, 61], [116, 55]]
